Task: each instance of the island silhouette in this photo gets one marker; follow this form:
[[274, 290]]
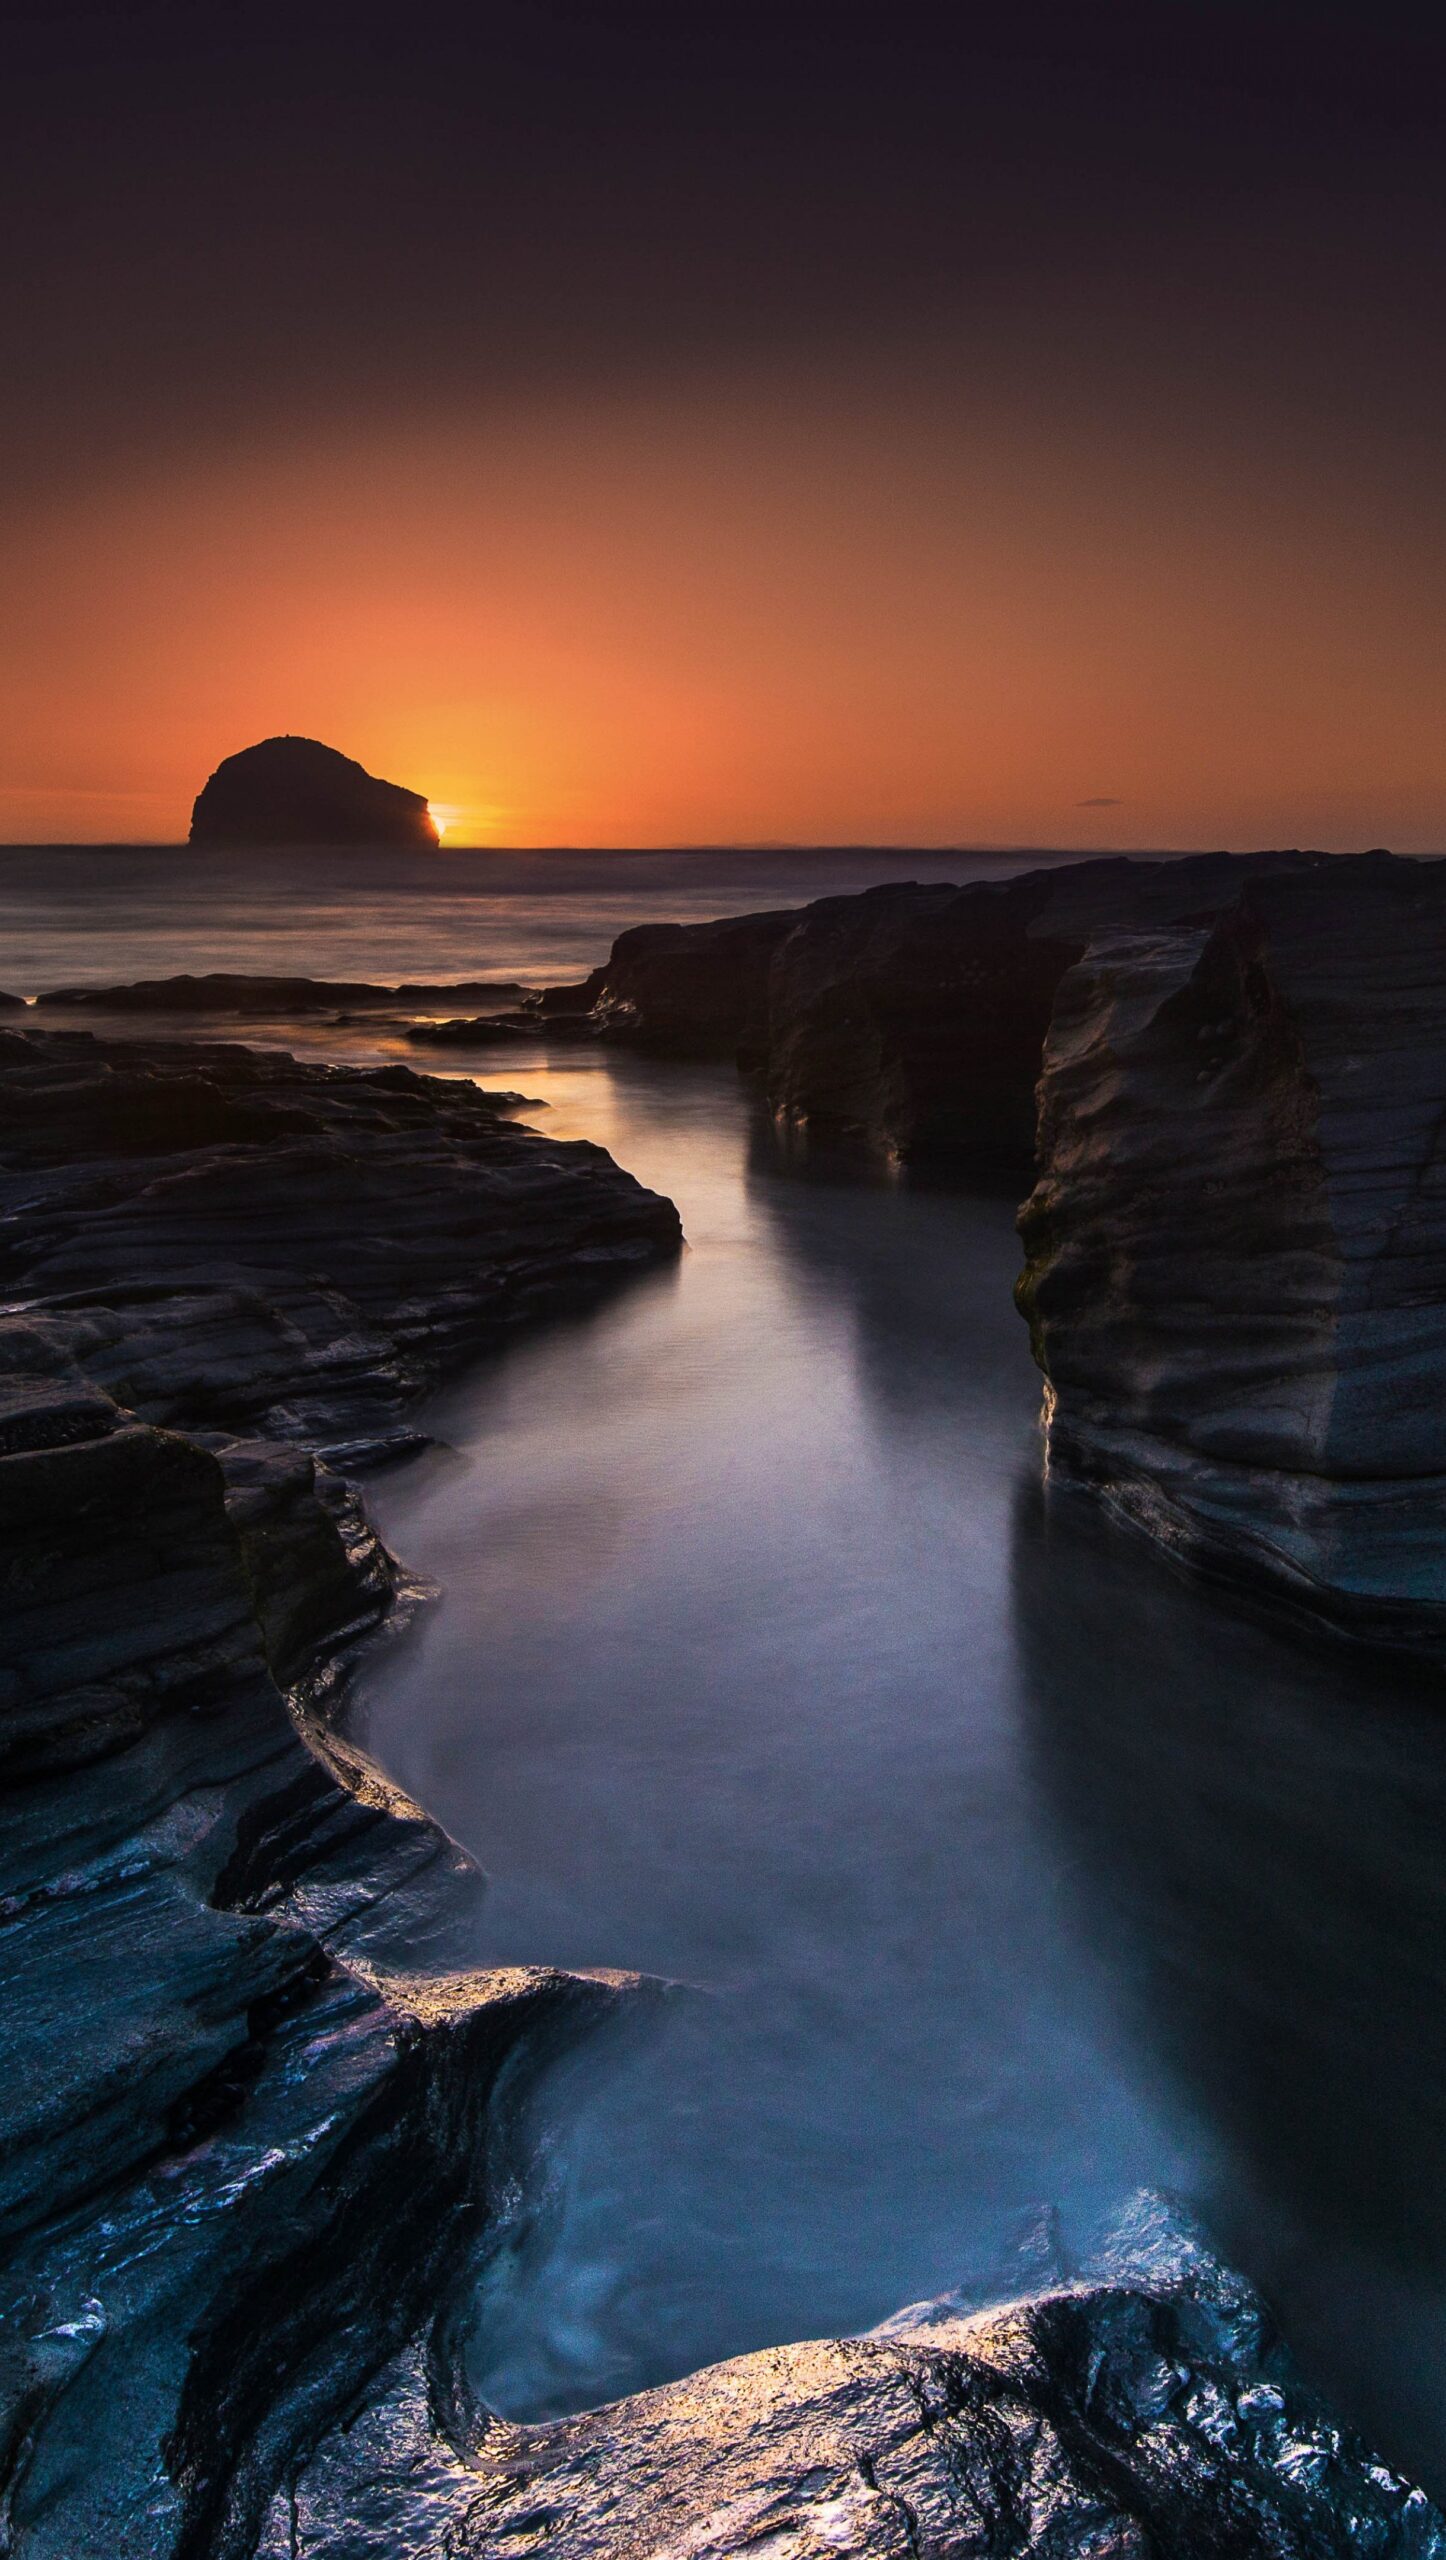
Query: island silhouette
[[295, 791]]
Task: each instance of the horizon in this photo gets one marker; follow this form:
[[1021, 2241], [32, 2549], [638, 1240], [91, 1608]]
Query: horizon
[[791, 847]]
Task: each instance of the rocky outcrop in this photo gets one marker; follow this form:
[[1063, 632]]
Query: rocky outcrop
[[692, 990], [228, 1240], [251, 2122], [248, 2117], [294, 791], [1235, 1250], [907, 1022], [1144, 2409], [226, 992]]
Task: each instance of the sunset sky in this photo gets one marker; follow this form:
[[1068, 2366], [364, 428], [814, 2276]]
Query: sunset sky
[[636, 424]]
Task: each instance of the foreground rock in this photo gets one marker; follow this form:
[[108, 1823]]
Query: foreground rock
[[1146, 2410], [248, 2119], [907, 1022], [252, 2121], [294, 791], [1236, 1248], [221, 991], [228, 1240]]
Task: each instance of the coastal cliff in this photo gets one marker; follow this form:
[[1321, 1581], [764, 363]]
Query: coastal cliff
[[1234, 1251], [229, 1240], [1140, 2405]]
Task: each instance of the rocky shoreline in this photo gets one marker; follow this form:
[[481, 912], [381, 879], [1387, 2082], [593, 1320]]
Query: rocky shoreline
[[254, 2122], [257, 2120], [1237, 1242]]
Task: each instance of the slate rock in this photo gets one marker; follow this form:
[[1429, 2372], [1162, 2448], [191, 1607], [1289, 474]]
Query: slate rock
[[1144, 2412], [231, 1241], [1237, 1244], [255, 2111]]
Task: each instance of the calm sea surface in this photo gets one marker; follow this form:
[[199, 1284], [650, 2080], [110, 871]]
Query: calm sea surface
[[1004, 1869]]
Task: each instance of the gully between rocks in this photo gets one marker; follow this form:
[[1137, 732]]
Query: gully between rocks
[[1011, 1869]]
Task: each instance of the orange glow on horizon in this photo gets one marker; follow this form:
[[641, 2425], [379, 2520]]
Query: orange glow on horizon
[[745, 620]]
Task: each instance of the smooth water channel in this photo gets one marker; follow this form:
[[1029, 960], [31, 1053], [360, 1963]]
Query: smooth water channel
[[1009, 1869]]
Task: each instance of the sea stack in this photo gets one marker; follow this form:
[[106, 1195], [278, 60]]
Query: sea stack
[[295, 791]]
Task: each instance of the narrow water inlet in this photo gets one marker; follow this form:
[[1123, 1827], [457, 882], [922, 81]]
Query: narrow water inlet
[[1009, 1860]]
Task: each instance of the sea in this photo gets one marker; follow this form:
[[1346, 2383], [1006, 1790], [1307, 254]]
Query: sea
[[998, 1870]]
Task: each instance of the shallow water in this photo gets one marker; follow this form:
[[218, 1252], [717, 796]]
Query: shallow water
[[1005, 1869], [1012, 1870]]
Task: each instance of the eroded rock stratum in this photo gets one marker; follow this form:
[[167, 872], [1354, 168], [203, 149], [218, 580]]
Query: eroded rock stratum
[[1144, 2408], [1236, 1245], [251, 2118]]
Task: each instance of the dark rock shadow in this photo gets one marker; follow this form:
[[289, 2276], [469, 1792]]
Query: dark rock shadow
[[925, 1263], [1254, 1824]]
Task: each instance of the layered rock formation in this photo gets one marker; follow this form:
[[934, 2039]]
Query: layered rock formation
[[251, 2125], [1147, 2409], [231, 1241], [294, 791], [906, 1022], [227, 992], [248, 2116], [1236, 1245]]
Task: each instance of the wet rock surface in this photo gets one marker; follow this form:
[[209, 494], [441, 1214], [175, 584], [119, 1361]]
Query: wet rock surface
[[1235, 1250], [240, 2139], [252, 2120], [295, 791], [503, 1029], [1144, 2408], [228, 1240]]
